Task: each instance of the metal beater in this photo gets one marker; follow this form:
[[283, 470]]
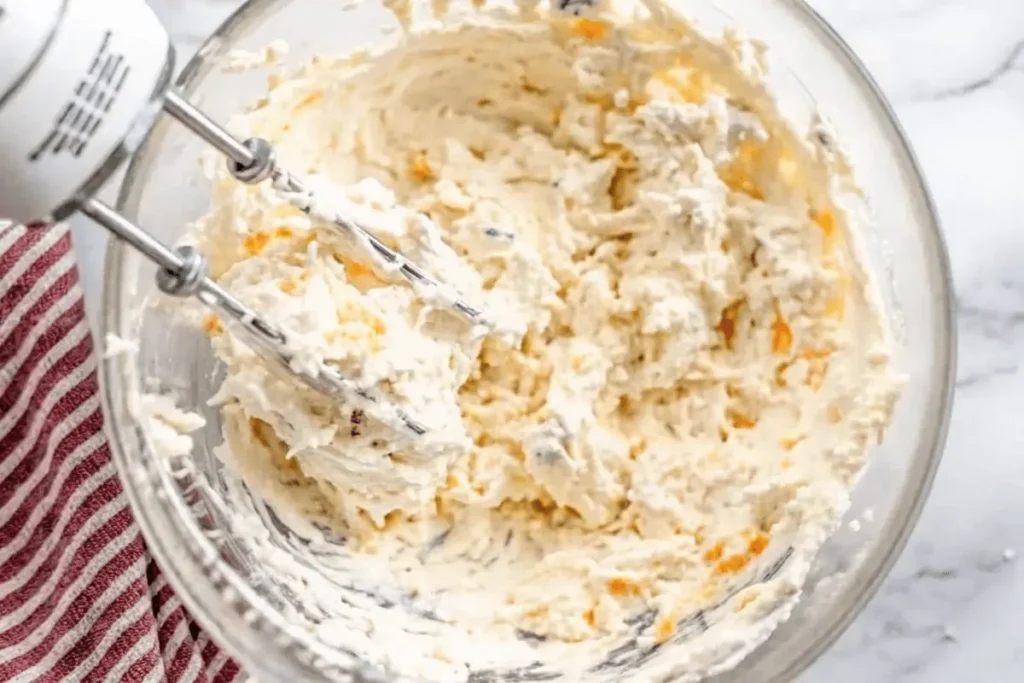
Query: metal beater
[[82, 82]]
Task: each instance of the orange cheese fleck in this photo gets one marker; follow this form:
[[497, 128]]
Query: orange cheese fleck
[[782, 333], [758, 544], [727, 325], [308, 100], [738, 175], [714, 554], [536, 612], [826, 220], [620, 587], [664, 629], [733, 564], [741, 421], [637, 447], [590, 29], [255, 243], [288, 286], [737, 181], [212, 325], [790, 443], [780, 373], [420, 169], [284, 233], [357, 269], [588, 616], [353, 268]]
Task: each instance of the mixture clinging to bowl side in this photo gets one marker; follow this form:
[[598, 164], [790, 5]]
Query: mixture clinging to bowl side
[[629, 474]]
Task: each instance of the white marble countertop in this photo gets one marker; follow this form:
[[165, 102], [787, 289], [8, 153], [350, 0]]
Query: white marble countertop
[[954, 70]]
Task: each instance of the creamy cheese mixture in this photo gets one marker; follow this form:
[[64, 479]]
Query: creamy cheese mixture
[[628, 470]]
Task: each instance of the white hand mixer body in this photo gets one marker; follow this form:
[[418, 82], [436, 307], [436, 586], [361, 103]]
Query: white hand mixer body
[[81, 84]]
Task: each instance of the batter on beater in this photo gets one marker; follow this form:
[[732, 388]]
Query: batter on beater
[[685, 369]]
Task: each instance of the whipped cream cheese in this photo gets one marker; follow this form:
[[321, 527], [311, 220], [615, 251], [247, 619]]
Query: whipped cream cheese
[[629, 471]]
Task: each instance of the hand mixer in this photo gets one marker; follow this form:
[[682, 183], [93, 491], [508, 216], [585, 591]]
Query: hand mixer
[[82, 82]]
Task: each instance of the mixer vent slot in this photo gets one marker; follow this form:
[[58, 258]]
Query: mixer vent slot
[[83, 113]]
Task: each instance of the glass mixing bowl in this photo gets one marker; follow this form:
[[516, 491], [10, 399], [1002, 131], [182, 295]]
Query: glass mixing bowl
[[187, 533]]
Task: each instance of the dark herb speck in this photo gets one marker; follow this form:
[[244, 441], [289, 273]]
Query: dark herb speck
[[497, 234], [574, 7]]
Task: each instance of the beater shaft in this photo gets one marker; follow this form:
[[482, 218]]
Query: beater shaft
[[81, 85], [183, 272], [253, 161]]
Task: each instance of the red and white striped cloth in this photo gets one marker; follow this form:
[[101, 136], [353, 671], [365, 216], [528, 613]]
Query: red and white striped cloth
[[80, 597]]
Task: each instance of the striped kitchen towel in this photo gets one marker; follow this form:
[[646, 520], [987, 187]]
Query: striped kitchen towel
[[80, 597]]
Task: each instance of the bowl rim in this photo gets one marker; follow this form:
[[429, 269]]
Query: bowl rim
[[871, 582], [232, 590]]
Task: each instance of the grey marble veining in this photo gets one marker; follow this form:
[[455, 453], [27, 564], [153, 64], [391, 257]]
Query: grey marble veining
[[954, 71]]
